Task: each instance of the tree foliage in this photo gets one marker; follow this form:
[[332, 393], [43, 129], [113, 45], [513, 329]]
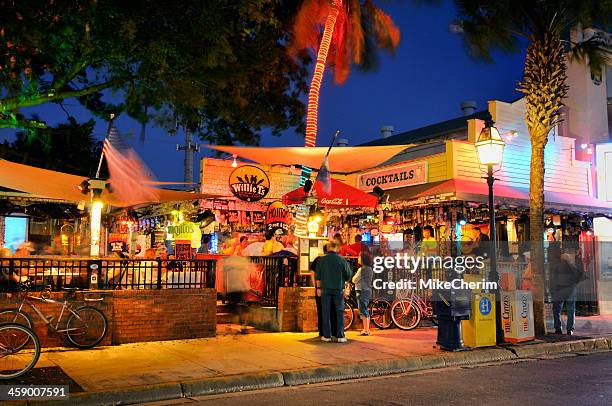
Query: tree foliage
[[68, 147], [546, 27], [361, 28], [219, 65]]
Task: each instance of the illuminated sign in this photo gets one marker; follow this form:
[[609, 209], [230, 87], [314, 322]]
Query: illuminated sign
[[249, 183], [277, 217], [395, 177], [185, 231]]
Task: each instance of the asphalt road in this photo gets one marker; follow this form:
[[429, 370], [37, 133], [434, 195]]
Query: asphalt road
[[567, 380]]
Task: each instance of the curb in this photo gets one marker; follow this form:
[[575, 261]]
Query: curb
[[265, 380]]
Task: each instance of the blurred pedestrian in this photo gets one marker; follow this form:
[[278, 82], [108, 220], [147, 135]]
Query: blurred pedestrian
[[564, 278]]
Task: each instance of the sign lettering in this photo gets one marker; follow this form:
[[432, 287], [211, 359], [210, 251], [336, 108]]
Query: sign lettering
[[395, 177], [249, 183]]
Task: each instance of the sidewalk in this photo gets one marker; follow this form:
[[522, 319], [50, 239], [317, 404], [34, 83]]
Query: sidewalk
[[170, 361], [158, 363]]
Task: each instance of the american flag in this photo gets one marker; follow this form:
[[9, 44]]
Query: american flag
[[324, 176], [128, 174]]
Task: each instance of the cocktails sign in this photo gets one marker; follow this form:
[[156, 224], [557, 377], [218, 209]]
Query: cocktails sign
[[249, 183], [277, 217], [395, 177]]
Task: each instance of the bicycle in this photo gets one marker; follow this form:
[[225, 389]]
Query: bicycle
[[85, 327], [15, 361], [379, 310], [408, 312]]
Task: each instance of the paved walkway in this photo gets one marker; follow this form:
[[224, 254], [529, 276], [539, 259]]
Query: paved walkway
[[170, 361]]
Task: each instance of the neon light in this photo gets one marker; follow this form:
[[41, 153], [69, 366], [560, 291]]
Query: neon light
[[317, 77]]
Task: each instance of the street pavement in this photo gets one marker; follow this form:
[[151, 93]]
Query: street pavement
[[130, 365], [139, 364], [565, 379]]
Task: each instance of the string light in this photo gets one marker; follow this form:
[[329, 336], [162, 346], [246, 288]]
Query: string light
[[313, 104], [234, 163]]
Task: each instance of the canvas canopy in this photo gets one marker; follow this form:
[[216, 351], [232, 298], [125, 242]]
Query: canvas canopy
[[340, 195], [341, 159], [49, 184]]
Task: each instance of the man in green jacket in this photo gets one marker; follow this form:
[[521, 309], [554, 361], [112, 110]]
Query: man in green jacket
[[332, 271]]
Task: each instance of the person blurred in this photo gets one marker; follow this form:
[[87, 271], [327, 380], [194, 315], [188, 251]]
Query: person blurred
[[564, 278], [236, 272], [482, 243], [8, 277], [363, 288], [343, 249], [288, 242], [242, 244], [24, 250], [254, 247], [332, 271], [204, 244], [271, 245], [147, 268], [357, 245]]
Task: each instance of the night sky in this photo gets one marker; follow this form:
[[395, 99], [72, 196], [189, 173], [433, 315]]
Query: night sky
[[423, 83]]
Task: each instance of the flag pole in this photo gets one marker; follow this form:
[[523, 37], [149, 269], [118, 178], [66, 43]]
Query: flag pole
[[332, 143], [110, 123]]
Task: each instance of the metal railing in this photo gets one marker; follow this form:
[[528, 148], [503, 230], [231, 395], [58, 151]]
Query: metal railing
[[109, 273], [277, 272]]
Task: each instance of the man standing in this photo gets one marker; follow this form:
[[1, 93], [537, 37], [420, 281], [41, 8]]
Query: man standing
[[564, 278], [332, 271], [483, 243]]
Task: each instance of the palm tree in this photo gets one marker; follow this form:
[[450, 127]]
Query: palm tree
[[545, 26], [352, 30]]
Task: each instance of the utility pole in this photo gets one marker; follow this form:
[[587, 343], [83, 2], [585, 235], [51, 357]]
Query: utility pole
[[190, 147]]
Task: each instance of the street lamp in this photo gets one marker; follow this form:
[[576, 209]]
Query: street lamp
[[490, 151]]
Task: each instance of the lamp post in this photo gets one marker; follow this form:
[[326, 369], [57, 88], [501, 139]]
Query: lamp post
[[490, 151]]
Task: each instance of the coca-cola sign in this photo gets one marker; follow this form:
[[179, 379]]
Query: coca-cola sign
[[336, 201]]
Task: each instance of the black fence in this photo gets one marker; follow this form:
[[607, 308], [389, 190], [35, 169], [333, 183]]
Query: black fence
[[107, 274], [276, 272]]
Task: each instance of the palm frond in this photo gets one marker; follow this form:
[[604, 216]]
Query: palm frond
[[594, 52]]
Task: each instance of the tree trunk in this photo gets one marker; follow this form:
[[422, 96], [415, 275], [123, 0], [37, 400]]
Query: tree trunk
[[544, 87], [312, 113], [536, 220]]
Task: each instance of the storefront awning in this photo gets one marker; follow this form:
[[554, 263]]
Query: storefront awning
[[341, 195], [49, 184], [457, 189], [341, 159]]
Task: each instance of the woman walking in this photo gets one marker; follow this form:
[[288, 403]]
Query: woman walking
[[363, 287]]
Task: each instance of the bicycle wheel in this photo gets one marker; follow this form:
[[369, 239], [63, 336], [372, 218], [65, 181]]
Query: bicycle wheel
[[349, 315], [405, 314], [14, 316], [86, 327], [380, 313], [16, 361]]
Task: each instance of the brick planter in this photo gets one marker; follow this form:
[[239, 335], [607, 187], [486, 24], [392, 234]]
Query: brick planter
[[135, 315]]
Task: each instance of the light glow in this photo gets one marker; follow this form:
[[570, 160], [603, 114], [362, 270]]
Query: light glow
[[490, 146], [95, 224]]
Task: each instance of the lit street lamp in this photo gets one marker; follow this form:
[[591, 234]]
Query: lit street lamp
[[490, 150]]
